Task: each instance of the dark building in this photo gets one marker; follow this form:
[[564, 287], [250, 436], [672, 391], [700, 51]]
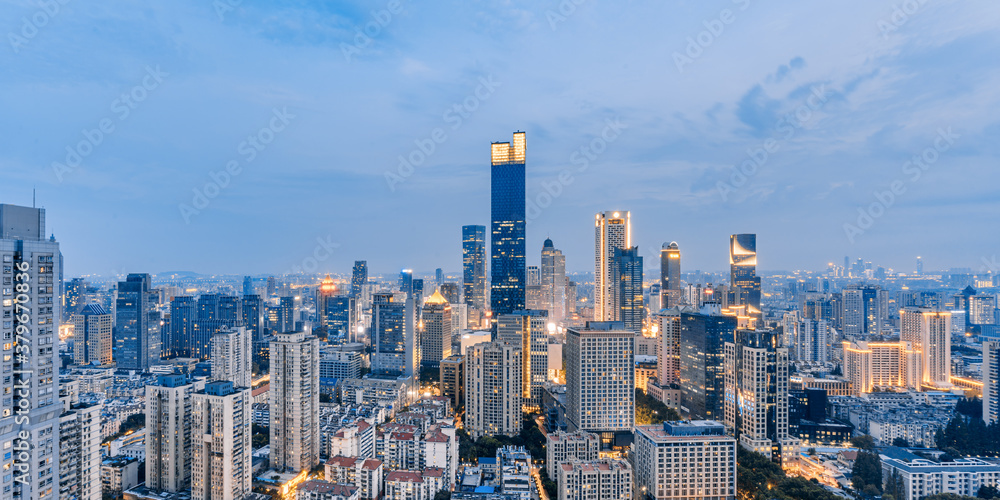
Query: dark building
[[702, 377], [183, 313], [74, 298], [248, 286], [359, 277], [253, 316], [474, 266], [337, 317], [137, 324], [670, 275], [807, 419], [214, 313], [626, 269], [452, 293], [286, 308], [508, 220]]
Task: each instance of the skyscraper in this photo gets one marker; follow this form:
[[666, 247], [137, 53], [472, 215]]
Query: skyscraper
[[600, 381], [474, 266], [253, 316], [493, 390], [232, 356], [294, 397], [92, 336], [30, 262], [702, 381], [435, 340], [863, 310], [393, 335], [991, 381], [80, 451], [248, 286], [75, 297], [553, 280], [221, 456], [215, 312], [528, 330], [359, 277], [743, 280], [612, 230], [670, 275], [183, 314], [507, 262], [929, 332], [286, 309], [626, 270], [168, 432], [137, 324]]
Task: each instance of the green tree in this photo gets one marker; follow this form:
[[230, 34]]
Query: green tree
[[863, 442], [867, 472], [442, 495], [894, 486], [649, 411], [901, 443], [988, 492]]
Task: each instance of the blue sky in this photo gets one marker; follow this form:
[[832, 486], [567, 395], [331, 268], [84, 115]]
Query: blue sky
[[842, 94]]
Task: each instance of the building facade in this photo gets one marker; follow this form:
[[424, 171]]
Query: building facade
[[222, 456], [92, 335], [509, 222], [665, 471], [600, 380], [493, 393], [294, 402], [612, 230]]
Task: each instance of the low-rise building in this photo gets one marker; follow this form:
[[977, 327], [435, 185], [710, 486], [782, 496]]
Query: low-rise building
[[323, 490], [119, 474], [599, 480], [563, 447], [366, 474], [414, 485], [685, 460], [922, 477]]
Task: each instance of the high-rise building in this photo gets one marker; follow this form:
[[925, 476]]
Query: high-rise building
[[670, 275], [453, 379], [493, 390], [982, 310], [508, 220], [435, 338], [702, 379], [405, 282], [272, 286], [417, 292], [75, 297], [534, 276], [474, 266], [215, 312], [626, 270], [598, 480], [756, 402], [882, 365], [248, 288], [811, 341], [137, 324], [393, 334], [294, 398], [553, 281], [183, 313], [613, 230], [92, 336], [920, 266], [743, 280], [864, 311], [668, 351], [991, 381], [663, 472], [286, 309], [168, 432], [232, 356], [253, 316], [528, 330], [221, 456], [452, 293], [600, 381], [80, 451], [359, 277], [929, 332]]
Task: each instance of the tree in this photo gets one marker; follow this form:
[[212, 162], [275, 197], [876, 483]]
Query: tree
[[811, 452], [442, 495], [649, 411], [867, 472], [863, 442], [900, 442], [894, 485], [988, 492]]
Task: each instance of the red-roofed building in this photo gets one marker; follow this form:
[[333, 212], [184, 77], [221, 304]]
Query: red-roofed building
[[364, 474], [323, 490], [415, 485]]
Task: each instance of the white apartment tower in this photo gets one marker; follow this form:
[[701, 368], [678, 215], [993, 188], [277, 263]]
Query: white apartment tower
[[929, 332], [168, 433], [493, 394], [612, 230], [80, 452], [221, 458], [295, 432], [991, 381], [232, 356], [528, 330], [92, 335], [600, 380]]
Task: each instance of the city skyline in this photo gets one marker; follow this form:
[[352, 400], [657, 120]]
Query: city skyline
[[670, 152]]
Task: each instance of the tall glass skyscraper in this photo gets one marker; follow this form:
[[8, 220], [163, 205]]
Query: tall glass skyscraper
[[743, 270], [359, 277], [183, 312], [507, 259], [702, 371], [137, 324], [611, 230], [627, 271], [670, 275], [474, 266]]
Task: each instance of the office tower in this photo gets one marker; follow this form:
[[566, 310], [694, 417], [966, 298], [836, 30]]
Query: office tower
[[439, 276], [405, 282], [453, 379], [533, 297], [991, 381], [272, 286], [613, 230], [553, 282], [75, 297], [534, 276], [508, 222], [528, 330], [474, 266], [743, 279], [393, 335], [215, 312], [756, 402], [982, 310], [863, 311], [600, 381], [626, 270], [417, 291], [183, 314], [248, 286], [359, 277], [137, 325], [702, 380], [882, 365], [929, 332], [326, 290], [670, 275], [221, 456], [570, 299], [435, 339], [920, 266], [337, 318], [92, 336], [286, 308], [452, 293], [668, 352], [598, 480], [493, 395], [664, 473], [294, 397], [253, 317], [232, 356], [806, 339], [80, 451], [168, 432]]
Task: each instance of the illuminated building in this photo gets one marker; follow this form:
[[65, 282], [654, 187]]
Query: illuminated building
[[359, 277], [806, 339], [871, 365], [168, 432], [612, 230], [668, 350], [507, 260], [75, 297], [564, 447], [232, 356], [474, 266], [248, 286], [452, 371], [393, 334], [743, 281], [929, 332], [493, 394], [864, 311], [452, 293], [294, 402], [666, 469], [435, 338], [670, 276], [626, 272], [600, 382], [528, 330], [137, 324], [221, 456], [597, 480], [991, 381], [92, 336], [553, 278], [333, 309], [756, 400], [981, 309], [702, 383]]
